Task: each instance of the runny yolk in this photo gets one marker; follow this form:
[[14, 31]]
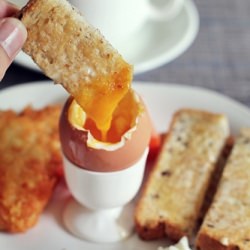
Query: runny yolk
[[124, 118], [100, 98]]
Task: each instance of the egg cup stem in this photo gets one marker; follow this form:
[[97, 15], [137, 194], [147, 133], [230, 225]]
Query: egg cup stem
[[101, 208], [101, 226]]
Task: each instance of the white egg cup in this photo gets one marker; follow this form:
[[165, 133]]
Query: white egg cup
[[101, 209]]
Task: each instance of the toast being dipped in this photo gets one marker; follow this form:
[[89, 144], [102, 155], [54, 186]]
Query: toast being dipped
[[73, 53], [227, 223], [173, 194]]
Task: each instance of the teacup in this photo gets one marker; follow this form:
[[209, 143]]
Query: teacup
[[119, 19]]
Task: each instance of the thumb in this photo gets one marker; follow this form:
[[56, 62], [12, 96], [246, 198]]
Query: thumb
[[12, 37]]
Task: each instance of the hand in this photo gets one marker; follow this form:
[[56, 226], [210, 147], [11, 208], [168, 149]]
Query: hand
[[12, 35]]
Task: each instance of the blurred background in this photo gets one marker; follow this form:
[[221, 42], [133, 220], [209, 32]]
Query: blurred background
[[213, 52]]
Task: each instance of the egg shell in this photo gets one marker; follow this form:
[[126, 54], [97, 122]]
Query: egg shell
[[74, 145]]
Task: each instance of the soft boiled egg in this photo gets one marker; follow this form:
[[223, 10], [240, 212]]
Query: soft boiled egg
[[118, 148]]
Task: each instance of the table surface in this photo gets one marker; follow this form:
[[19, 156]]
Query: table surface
[[219, 58]]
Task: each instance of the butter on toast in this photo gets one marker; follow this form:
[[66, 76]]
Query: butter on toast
[[74, 54], [173, 194], [227, 223]]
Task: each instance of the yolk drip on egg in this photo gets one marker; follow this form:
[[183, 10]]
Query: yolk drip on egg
[[99, 101], [123, 118]]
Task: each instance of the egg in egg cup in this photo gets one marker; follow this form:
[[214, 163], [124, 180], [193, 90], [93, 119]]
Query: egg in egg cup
[[104, 172]]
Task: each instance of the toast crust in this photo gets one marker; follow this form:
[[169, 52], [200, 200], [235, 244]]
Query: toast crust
[[206, 242], [226, 225], [74, 54], [173, 194]]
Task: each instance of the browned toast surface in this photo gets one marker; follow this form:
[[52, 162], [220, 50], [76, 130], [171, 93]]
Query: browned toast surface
[[227, 223], [173, 194], [73, 53]]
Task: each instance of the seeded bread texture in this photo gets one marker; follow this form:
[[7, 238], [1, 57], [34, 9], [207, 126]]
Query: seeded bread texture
[[227, 223], [172, 196]]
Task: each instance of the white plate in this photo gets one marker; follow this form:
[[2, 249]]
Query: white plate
[[155, 44], [162, 100]]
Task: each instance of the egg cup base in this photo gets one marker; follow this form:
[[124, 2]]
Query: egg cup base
[[100, 226]]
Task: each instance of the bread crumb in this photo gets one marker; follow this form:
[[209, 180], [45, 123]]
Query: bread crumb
[[224, 241]]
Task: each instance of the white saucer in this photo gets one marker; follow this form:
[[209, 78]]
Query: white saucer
[[162, 100], [155, 44], [19, 3]]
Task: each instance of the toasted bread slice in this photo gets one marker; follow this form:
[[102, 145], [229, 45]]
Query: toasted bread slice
[[172, 197], [227, 223], [73, 53], [30, 165]]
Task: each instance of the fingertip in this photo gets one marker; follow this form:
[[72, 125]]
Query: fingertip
[[4, 63], [12, 36]]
